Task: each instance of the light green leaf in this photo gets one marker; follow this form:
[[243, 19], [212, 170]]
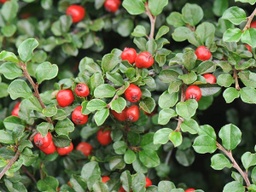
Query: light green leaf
[[232, 35], [104, 91], [187, 109], [220, 161], [161, 136], [8, 56], [10, 70], [204, 144], [19, 89], [134, 7], [235, 15], [101, 116], [248, 159], [230, 94], [46, 71], [26, 49], [192, 14], [156, 7], [234, 186], [230, 136], [176, 138]]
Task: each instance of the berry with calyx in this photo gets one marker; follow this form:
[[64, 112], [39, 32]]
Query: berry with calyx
[[203, 53], [65, 150], [133, 93], [85, 148], [112, 5], [132, 113], [105, 179], [104, 136], [77, 13], [65, 97], [82, 90], [210, 78], [50, 149], [129, 54], [78, 117], [190, 190], [193, 92], [148, 182], [42, 141], [119, 116], [16, 109], [144, 60]]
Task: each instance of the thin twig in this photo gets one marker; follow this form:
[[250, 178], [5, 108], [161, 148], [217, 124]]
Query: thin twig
[[152, 19], [249, 20], [235, 76], [235, 165]]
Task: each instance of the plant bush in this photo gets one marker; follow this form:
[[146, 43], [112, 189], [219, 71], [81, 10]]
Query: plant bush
[[138, 95]]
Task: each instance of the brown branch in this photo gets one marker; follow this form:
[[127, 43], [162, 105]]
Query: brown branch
[[10, 163], [152, 19], [235, 165], [249, 20], [35, 87], [235, 76]]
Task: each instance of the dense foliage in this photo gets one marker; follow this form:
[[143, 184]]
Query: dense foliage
[[132, 95]]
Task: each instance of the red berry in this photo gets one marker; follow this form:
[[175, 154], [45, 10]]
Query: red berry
[[105, 179], [133, 93], [119, 116], [77, 12], [132, 113], [50, 149], [144, 60], [85, 148], [253, 24], [193, 92], [248, 47], [148, 182], [203, 53], [78, 117], [65, 97], [210, 78], [104, 136], [42, 141], [112, 5], [82, 90], [3, 1], [190, 190], [121, 189], [16, 109], [65, 150], [129, 54]]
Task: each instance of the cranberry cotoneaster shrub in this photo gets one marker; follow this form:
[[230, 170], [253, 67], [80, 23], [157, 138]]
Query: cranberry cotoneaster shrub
[[111, 100]]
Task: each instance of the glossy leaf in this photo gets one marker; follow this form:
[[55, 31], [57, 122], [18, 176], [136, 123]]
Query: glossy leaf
[[101, 116], [161, 136], [220, 161], [190, 126], [234, 186], [96, 104], [230, 94], [64, 127], [156, 7], [26, 49], [230, 136], [8, 56], [134, 7], [187, 109], [104, 91], [248, 94], [252, 2], [129, 156], [175, 19], [19, 89], [192, 14], [235, 15], [176, 138], [248, 159], [46, 71], [91, 173], [165, 115], [149, 158], [48, 184], [249, 36], [204, 144], [232, 35]]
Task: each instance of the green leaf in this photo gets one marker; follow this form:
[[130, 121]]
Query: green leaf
[[192, 14], [49, 110], [139, 31], [204, 31], [161, 136], [220, 161], [13, 122], [162, 31], [252, 2], [48, 184], [125, 27], [134, 7], [189, 58], [187, 109], [3, 90], [138, 182], [207, 130], [188, 78], [225, 80], [115, 78], [101, 116], [219, 6], [230, 136], [181, 34], [249, 36], [165, 115], [206, 67], [104, 91], [26, 49], [129, 156], [9, 10], [126, 180], [175, 19], [167, 100], [8, 56], [111, 60], [19, 89], [64, 127], [46, 71], [232, 35], [190, 126], [118, 104], [204, 144], [234, 186], [8, 30], [120, 147], [44, 128], [14, 186], [230, 94], [87, 64], [156, 7], [149, 158], [116, 162], [91, 173], [176, 138], [10, 70], [248, 95], [248, 159], [6, 137], [148, 104], [235, 15], [96, 104], [166, 186]]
